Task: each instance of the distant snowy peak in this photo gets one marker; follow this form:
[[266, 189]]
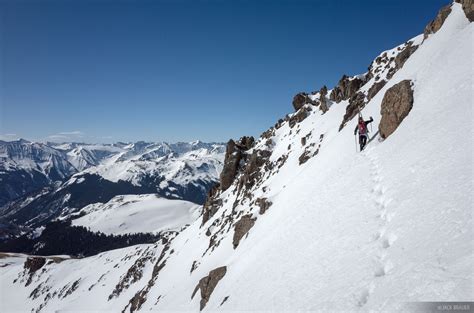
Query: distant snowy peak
[[45, 163]]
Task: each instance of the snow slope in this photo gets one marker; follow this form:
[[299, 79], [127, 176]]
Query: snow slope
[[346, 231], [137, 213]]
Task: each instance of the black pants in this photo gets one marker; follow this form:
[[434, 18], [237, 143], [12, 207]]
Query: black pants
[[362, 141]]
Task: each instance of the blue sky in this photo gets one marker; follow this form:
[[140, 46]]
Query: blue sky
[[103, 70]]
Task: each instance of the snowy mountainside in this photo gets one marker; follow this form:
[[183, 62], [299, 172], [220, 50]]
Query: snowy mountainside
[[303, 221], [147, 213]]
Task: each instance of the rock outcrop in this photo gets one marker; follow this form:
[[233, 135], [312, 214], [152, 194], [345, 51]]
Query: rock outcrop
[[356, 103], [302, 98], [212, 204], [468, 7], [251, 172], [403, 55], [264, 205], [346, 88], [33, 264], [436, 24], [241, 228], [375, 88], [232, 159], [208, 283], [323, 100], [396, 104], [299, 116]]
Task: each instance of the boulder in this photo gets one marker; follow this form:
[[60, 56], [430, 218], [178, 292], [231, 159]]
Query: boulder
[[436, 24], [396, 104], [208, 283], [302, 98], [241, 228]]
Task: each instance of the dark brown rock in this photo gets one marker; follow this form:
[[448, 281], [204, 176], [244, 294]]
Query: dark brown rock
[[251, 171], [299, 100], [241, 228], [231, 163], [305, 156], [375, 89], [396, 104], [302, 98], [303, 141], [436, 24], [32, 264], [323, 100], [356, 103], [264, 204], [346, 88], [212, 204], [208, 283], [299, 116], [233, 155], [403, 55]]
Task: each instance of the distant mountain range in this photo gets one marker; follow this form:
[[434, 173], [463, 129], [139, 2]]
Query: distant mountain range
[[41, 181]]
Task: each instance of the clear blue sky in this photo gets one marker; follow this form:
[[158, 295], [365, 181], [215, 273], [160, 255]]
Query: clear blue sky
[[182, 70]]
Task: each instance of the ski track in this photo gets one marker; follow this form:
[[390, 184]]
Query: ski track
[[382, 238]]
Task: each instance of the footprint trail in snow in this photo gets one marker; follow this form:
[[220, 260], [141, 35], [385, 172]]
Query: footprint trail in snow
[[383, 238]]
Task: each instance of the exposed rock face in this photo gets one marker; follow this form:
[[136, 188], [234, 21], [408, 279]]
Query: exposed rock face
[[396, 104], [32, 264], [302, 113], [323, 100], [302, 98], [212, 204], [468, 7], [401, 58], [299, 100], [436, 24], [375, 89], [251, 171], [232, 159], [208, 283], [242, 227], [346, 88], [264, 204], [356, 103]]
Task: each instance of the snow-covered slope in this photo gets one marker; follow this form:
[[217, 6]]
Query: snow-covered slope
[[137, 214], [308, 224]]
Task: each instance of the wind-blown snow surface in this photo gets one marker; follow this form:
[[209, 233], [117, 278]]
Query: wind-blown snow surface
[[347, 231], [137, 214]]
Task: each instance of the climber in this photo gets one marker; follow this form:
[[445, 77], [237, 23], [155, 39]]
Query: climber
[[363, 131]]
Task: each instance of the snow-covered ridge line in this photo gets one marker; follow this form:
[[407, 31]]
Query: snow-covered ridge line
[[301, 222]]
